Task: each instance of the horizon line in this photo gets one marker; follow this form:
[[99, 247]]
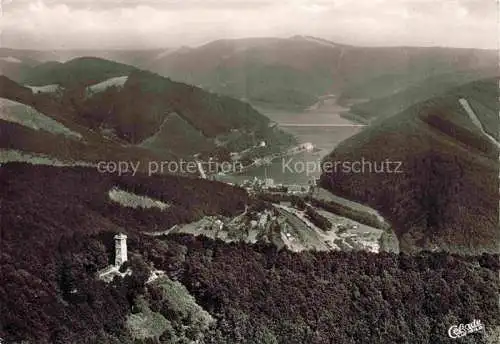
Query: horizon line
[[199, 45]]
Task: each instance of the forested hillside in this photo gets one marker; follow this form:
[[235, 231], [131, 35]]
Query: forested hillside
[[291, 73], [378, 108], [57, 227], [446, 194], [107, 102], [57, 232]]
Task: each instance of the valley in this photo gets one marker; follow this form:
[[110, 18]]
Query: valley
[[285, 227], [285, 251], [323, 126], [95, 112]]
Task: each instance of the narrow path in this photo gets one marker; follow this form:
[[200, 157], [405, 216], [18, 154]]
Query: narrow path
[[472, 115]]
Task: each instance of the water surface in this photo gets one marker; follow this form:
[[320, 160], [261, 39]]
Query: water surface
[[323, 127]]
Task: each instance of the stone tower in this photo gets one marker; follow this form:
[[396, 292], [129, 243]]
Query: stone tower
[[120, 249]]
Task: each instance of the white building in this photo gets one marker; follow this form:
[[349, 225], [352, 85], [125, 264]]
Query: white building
[[120, 249], [268, 182], [217, 225], [308, 146]]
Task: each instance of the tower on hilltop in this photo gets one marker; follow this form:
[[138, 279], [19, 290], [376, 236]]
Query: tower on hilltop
[[120, 249]]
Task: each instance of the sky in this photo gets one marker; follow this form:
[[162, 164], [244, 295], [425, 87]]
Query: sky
[[118, 24]]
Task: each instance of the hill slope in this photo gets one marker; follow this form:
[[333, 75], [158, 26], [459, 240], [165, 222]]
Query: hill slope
[[446, 195], [57, 233], [416, 92], [80, 71], [57, 228], [105, 101], [288, 73], [266, 70]]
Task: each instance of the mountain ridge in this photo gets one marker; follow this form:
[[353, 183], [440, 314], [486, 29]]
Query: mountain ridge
[[134, 111]]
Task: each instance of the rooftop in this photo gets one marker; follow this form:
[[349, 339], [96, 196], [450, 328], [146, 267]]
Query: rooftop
[[120, 236]]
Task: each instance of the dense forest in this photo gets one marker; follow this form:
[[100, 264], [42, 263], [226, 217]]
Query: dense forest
[[446, 194], [255, 294], [49, 262], [264, 296]]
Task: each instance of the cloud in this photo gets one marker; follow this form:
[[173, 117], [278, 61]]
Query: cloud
[[155, 23]]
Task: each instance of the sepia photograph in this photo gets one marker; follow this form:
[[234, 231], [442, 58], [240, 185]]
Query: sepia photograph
[[249, 172]]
